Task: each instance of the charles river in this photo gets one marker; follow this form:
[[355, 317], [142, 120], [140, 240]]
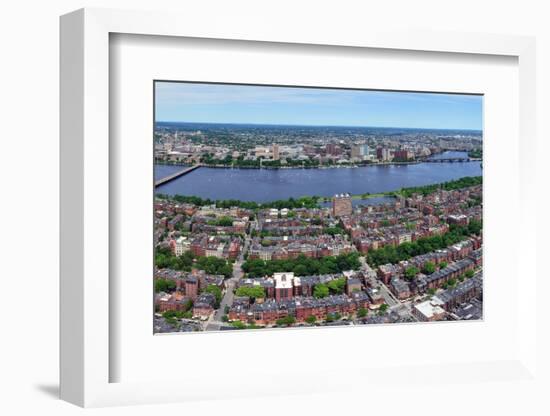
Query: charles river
[[262, 185]]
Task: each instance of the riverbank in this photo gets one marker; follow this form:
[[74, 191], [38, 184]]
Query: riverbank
[[365, 196], [318, 201], [340, 166], [337, 166]]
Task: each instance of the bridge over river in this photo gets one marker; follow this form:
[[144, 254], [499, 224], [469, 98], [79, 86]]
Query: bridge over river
[[176, 175], [452, 160]]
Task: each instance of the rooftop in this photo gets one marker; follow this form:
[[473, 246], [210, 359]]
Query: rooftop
[[283, 280], [430, 308]]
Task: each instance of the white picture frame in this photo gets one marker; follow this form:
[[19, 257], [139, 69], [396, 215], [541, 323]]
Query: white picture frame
[[86, 353]]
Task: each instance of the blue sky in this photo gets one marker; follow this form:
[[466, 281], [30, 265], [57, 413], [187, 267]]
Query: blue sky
[[217, 103]]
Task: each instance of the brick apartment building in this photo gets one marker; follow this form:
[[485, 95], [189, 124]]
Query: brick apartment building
[[341, 205]]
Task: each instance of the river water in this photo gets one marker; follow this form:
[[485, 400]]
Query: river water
[[262, 185]]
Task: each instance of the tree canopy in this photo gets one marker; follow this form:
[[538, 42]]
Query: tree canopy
[[428, 268], [362, 312], [216, 291], [301, 202], [214, 265], [164, 258], [251, 292], [320, 291], [411, 272], [337, 286], [404, 251], [464, 182], [302, 265], [286, 321], [164, 285]]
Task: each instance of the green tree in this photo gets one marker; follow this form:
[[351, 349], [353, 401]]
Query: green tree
[[216, 291], [238, 325], [337, 286], [251, 292], [428, 268], [214, 265], [465, 182], [442, 265], [321, 291], [334, 230], [164, 285], [311, 319], [411, 272], [431, 291], [173, 317], [333, 316], [286, 321], [475, 227], [300, 270], [164, 258], [469, 274], [393, 255], [362, 312], [383, 308], [311, 266], [224, 222]]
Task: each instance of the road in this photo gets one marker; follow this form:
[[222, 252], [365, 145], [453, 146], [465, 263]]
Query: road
[[402, 308], [215, 321], [389, 298]]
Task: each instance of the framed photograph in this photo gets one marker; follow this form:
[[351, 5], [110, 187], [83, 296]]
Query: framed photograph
[[254, 204]]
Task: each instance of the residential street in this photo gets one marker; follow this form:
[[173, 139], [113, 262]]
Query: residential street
[[215, 321]]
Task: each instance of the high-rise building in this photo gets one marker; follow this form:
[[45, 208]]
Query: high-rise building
[[359, 151], [332, 149], [341, 205], [383, 154], [402, 155], [275, 151]]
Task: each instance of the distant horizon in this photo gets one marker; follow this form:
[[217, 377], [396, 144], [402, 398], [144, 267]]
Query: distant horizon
[[209, 103], [316, 125]]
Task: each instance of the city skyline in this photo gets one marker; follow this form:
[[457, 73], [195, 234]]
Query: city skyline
[[297, 106]]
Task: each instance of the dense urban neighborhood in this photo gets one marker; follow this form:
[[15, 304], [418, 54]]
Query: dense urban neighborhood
[[247, 146], [315, 261]]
